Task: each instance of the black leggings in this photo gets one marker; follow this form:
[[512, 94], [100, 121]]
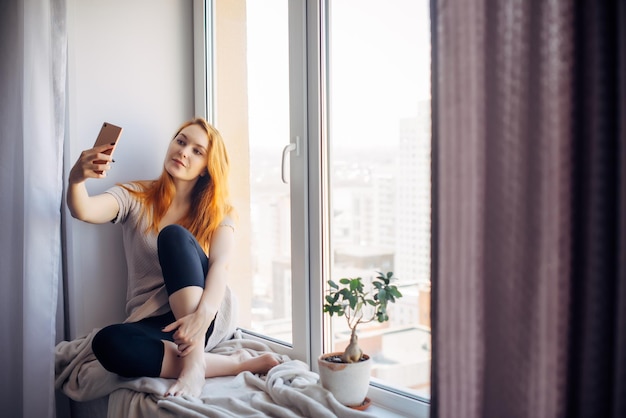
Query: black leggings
[[136, 349]]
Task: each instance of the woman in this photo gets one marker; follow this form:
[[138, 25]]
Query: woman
[[178, 235]]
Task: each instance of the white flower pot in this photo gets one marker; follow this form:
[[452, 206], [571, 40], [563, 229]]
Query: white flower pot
[[348, 382]]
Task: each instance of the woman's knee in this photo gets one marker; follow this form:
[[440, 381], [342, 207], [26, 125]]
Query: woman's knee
[[104, 338], [182, 260], [173, 235], [123, 351], [105, 345]]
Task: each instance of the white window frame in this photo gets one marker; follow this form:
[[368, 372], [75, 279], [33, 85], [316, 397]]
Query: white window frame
[[308, 178]]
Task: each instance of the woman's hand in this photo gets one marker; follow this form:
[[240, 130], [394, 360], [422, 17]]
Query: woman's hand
[[92, 163], [190, 330]]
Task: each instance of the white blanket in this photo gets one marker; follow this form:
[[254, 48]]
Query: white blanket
[[288, 390]]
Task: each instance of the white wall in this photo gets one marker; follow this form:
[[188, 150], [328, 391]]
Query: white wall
[[131, 64]]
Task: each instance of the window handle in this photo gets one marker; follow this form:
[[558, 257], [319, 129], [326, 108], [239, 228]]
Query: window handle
[[283, 167]]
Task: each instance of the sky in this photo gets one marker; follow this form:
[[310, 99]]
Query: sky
[[379, 68]]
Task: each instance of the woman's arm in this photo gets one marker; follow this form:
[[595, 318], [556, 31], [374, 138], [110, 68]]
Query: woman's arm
[[92, 163], [220, 253]]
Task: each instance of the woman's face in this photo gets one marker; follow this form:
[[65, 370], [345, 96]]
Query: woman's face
[[186, 157]]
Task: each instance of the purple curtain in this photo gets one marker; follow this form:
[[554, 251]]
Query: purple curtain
[[529, 151]]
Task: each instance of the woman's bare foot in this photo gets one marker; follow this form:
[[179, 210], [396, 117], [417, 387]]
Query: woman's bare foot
[[190, 371], [261, 364], [191, 379]]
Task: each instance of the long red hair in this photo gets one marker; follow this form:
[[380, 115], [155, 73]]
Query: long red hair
[[209, 197]]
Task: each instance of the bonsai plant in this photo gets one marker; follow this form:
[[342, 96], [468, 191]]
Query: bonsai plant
[[351, 299]]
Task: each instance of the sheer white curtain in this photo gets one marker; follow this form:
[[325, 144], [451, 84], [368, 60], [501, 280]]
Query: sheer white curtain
[[32, 122]]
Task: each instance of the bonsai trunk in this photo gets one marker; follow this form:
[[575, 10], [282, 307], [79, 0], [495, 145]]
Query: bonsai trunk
[[353, 352]]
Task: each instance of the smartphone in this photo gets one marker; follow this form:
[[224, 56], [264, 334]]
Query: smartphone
[[109, 134]]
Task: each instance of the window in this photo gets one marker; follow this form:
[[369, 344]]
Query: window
[[246, 76], [267, 40], [328, 107], [379, 181]]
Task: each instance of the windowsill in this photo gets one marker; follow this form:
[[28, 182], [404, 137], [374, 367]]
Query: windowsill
[[388, 404], [379, 411], [380, 397]]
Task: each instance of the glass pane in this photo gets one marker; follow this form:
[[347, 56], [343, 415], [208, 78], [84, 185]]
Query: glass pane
[[268, 118], [380, 180]]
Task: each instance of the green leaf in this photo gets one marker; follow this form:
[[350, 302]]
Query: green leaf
[[353, 301], [349, 298], [332, 310]]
